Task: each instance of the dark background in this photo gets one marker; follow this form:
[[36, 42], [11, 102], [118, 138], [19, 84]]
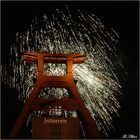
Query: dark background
[[123, 17]]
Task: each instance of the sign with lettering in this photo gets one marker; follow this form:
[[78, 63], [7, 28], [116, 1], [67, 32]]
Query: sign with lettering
[[54, 120]]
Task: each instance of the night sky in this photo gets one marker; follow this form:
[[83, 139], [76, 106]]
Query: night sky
[[123, 17]]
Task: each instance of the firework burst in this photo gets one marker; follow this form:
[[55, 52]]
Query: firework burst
[[62, 32]]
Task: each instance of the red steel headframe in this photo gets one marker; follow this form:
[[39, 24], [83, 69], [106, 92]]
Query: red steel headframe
[[65, 81]]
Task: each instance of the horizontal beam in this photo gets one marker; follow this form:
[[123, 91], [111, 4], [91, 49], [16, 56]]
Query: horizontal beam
[[54, 58]]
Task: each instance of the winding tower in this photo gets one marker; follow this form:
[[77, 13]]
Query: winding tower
[[72, 103]]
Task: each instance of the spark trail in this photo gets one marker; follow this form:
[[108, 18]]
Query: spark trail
[[63, 32]]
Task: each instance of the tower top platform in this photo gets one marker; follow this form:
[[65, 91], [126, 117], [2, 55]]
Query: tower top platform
[[54, 58]]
